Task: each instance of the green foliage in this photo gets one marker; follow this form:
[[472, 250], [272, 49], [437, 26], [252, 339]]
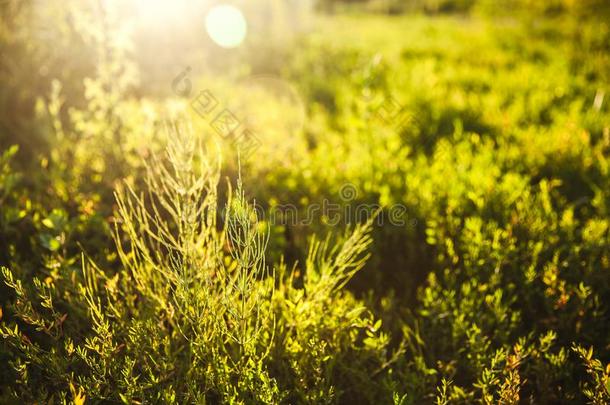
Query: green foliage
[[599, 391], [191, 314], [132, 272]]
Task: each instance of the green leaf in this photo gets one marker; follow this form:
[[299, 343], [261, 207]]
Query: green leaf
[[49, 242]]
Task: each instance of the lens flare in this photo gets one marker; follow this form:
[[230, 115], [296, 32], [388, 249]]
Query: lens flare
[[226, 25]]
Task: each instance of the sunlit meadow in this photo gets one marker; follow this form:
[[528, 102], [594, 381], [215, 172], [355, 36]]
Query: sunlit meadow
[[305, 201]]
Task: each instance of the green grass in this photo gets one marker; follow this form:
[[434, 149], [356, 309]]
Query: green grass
[[136, 268]]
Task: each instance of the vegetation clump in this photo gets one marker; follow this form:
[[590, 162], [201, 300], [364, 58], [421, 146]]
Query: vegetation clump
[[137, 267]]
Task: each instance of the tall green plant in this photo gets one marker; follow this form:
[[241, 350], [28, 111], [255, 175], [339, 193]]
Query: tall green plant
[[194, 313]]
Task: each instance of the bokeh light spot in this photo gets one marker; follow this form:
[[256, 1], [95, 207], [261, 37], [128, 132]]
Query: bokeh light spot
[[226, 25]]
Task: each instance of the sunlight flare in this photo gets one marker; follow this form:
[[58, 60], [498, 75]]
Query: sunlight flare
[[226, 25]]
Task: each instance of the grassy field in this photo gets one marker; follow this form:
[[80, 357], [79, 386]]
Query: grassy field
[[370, 208]]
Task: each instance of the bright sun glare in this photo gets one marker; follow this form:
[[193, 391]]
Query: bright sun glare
[[226, 25]]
